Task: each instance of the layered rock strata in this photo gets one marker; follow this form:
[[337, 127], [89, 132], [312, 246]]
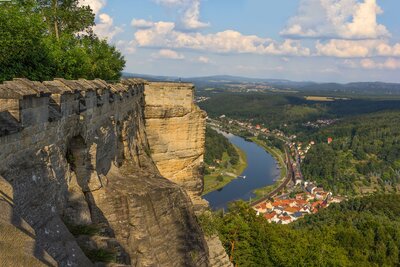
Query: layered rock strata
[[76, 160], [175, 130]]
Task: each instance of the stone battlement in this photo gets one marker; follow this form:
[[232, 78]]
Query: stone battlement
[[24, 103]]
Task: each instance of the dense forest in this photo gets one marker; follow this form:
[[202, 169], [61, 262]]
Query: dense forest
[[365, 153], [44, 39], [359, 232], [216, 145], [288, 111]]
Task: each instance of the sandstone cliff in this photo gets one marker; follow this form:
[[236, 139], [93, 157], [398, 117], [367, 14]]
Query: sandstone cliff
[[175, 130], [78, 183]]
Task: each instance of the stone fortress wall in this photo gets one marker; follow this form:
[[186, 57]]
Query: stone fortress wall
[[76, 153]]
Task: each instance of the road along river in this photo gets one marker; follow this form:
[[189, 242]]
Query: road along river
[[262, 170]]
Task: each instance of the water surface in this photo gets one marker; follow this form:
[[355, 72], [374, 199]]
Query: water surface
[[261, 171]]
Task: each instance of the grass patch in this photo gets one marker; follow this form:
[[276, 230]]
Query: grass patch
[[319, 98], [101, 255], [89, 230]]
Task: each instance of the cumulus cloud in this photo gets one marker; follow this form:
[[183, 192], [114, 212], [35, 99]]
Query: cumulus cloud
[[105, 27], [95, 5], [189, 11], [371, 64], [164, 34], [142, 24], [203, 59], [342, 19], [167, 53], [357, 48]]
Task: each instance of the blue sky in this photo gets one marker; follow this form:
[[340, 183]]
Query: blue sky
[[319, 40]]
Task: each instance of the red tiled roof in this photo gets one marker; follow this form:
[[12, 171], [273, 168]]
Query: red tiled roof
[[301, 202], [292, 209], [285, 218], [269, 216], [317, 203]]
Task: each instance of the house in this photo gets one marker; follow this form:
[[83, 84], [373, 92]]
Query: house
[[285, 219], [310, 188], [270, 216], [292, 210], [298, 215]]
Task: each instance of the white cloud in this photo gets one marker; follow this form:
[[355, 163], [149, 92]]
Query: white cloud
[[189, 11], [142, 24], [388, 64], [357, 48], [95, 5], [203, 59], [105, 27], [345, 19], [164, 34], [371, 64], [383, 49], [167, 53]]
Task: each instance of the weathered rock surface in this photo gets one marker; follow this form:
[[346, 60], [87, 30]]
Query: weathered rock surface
[[76, 153], [176, 133], [217, 253], [175, 130]]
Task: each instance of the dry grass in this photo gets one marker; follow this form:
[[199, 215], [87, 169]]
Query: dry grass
[[319, 98], [16, 247]]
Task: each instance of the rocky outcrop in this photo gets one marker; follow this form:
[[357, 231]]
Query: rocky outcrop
[[175, 130], [82, 184], [176, 133], [217, 254]]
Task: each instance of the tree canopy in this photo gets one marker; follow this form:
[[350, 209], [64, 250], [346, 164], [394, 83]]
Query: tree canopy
[[359, 232], [40, 40]]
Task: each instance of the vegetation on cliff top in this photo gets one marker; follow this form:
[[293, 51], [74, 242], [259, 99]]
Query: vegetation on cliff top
[[41, 40], [359, 232]]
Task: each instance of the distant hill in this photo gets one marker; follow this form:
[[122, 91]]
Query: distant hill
[[226, 82]]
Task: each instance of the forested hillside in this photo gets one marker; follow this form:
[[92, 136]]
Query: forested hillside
[[288, 111], [216, 146], [364, 155], [41, 40], [360, 232]]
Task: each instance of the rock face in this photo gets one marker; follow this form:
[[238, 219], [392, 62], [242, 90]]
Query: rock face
[[175, 130], [78, 180]]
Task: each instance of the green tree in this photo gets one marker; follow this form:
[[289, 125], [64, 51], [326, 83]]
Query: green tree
[[46, 39], [23, 52], [66, 16]]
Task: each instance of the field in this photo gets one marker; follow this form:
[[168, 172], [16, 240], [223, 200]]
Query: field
[[319, 98]]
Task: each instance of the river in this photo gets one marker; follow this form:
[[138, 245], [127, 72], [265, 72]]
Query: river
[[261, 171]]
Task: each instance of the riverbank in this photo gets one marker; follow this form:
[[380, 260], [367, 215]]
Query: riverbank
[[214, 181], [280, 158]]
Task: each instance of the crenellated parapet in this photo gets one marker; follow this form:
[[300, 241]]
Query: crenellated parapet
[[91, 153], [25, 103]]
